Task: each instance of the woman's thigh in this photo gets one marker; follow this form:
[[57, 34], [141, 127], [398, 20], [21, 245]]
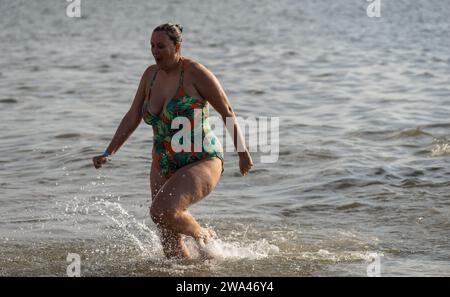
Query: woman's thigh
[[189, 184]]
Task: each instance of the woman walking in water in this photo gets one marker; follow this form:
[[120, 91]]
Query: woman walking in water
[[179, 177]]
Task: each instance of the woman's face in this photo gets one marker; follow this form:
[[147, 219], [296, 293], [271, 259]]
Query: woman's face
[[163, 49]]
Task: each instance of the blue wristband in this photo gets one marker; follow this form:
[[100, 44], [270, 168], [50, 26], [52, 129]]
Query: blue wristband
[[106, 154]]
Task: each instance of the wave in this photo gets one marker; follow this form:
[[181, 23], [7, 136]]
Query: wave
[[391, 134], [341, 256], [9, 100], [72, 135], [350, 206], [345, 183], [415, 132]]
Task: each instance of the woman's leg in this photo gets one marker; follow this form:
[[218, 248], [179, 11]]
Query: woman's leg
[[187, 186], [172, 243]]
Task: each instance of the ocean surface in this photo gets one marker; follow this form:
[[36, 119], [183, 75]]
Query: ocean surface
[[363, 172]]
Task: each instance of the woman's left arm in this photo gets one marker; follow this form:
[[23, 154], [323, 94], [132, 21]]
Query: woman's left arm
[[210, 88]]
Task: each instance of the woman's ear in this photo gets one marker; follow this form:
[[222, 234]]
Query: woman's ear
[[177, 46]]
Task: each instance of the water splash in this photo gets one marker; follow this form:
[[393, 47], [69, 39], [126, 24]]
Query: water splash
[[138, 232], [221, 250], [147, 243], [440, 149], [126, 226]]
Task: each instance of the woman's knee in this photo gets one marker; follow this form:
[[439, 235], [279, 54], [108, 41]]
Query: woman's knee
[[162, 214]]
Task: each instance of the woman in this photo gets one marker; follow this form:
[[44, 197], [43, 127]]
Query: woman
[[179, 178]]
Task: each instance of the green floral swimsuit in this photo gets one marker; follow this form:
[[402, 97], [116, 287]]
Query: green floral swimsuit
[[204, 144]]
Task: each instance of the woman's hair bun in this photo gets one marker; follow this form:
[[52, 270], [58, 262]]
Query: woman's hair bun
[[172, 30], [179, 27]]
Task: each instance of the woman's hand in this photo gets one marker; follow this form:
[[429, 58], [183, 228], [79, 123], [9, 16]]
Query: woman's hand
[[245, 162], [99, 161]]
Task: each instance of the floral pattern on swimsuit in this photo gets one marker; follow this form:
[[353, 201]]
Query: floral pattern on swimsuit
[[169, 159]]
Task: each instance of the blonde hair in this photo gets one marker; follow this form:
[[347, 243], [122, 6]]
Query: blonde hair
[[172, 30]]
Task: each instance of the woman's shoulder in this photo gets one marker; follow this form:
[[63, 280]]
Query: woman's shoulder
[[150, 71], [195, 68], [147, 76]]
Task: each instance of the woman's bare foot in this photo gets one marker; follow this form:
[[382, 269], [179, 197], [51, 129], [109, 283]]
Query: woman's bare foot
[[206, 236]]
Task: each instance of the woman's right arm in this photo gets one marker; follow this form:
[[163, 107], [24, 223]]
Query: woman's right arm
[[210, 88], [129, 122]]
